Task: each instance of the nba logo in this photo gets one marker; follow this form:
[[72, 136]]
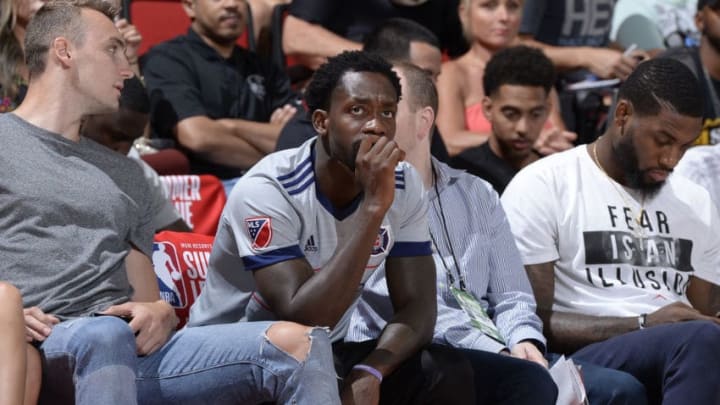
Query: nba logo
[[167, 269], [260, 230], [381, 242]]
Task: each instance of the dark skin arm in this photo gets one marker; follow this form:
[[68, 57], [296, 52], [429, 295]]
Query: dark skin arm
[[411, 283], [297, 293], [568, 332], [412, 287], [704, 296]]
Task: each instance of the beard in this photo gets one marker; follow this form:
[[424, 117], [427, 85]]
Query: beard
[[625, 155], [336, 152]]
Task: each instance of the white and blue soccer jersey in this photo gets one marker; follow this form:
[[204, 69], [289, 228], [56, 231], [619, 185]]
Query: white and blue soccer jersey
[[276, 212]]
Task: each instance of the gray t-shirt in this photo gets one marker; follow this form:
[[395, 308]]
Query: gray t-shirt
[[69, 214]]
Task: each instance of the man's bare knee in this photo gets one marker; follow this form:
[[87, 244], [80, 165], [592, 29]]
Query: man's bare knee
[[292, 338]]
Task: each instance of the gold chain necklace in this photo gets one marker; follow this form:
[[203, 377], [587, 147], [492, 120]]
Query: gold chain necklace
[[638, 218]]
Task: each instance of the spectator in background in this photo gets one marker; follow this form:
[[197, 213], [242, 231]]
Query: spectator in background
[[517, 84], [317, 29], [118, 131], [490, 25], [704, 61], [396, 40], [575, 35], [623, 256], [223, 104]]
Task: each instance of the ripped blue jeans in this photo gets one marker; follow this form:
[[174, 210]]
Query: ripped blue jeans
[[217, 364]]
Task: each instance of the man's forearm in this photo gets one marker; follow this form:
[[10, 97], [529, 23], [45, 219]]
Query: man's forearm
[[303, 38], [398, 342], [568, 332], [141, 277], [564, 58], [231, 142], [326, 296], [232, 151], [261, 135], [704, 296]]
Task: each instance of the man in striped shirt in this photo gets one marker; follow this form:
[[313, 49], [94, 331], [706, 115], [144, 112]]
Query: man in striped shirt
[[476, 261]]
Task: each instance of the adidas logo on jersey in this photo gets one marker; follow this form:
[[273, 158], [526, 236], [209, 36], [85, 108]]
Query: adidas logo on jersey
[[310, 245]]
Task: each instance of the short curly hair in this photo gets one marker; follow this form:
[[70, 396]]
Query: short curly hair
[[518, 66], [327, 77]]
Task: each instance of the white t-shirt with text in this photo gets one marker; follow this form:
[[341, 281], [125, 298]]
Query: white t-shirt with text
[[564, 209]]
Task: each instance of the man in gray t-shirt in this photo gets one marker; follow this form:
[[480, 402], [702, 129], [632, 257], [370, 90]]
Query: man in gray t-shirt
[[76, 238], [73, 208]]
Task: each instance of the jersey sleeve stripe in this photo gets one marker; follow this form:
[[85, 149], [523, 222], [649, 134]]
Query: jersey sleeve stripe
[[299, 178], [303, 186], [295, 171], [271, 257], [410, 249]]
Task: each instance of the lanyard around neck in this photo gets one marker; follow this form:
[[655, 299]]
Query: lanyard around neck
[[446, 234]]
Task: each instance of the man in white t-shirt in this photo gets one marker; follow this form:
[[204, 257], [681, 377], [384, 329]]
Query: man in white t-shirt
[[624, 257]]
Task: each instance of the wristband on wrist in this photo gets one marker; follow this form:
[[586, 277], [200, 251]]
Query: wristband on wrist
[[642, 321], [372, 370]]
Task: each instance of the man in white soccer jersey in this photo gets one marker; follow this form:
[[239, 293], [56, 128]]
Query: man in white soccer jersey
[[305, 227], [623, 256]]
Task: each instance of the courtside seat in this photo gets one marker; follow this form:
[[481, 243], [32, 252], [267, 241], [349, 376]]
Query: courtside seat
[[180, 260], [199, 199]]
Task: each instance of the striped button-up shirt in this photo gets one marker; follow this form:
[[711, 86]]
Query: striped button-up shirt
[[479, 235]]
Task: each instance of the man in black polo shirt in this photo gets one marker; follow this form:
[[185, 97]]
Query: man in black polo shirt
[[223, 104]]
